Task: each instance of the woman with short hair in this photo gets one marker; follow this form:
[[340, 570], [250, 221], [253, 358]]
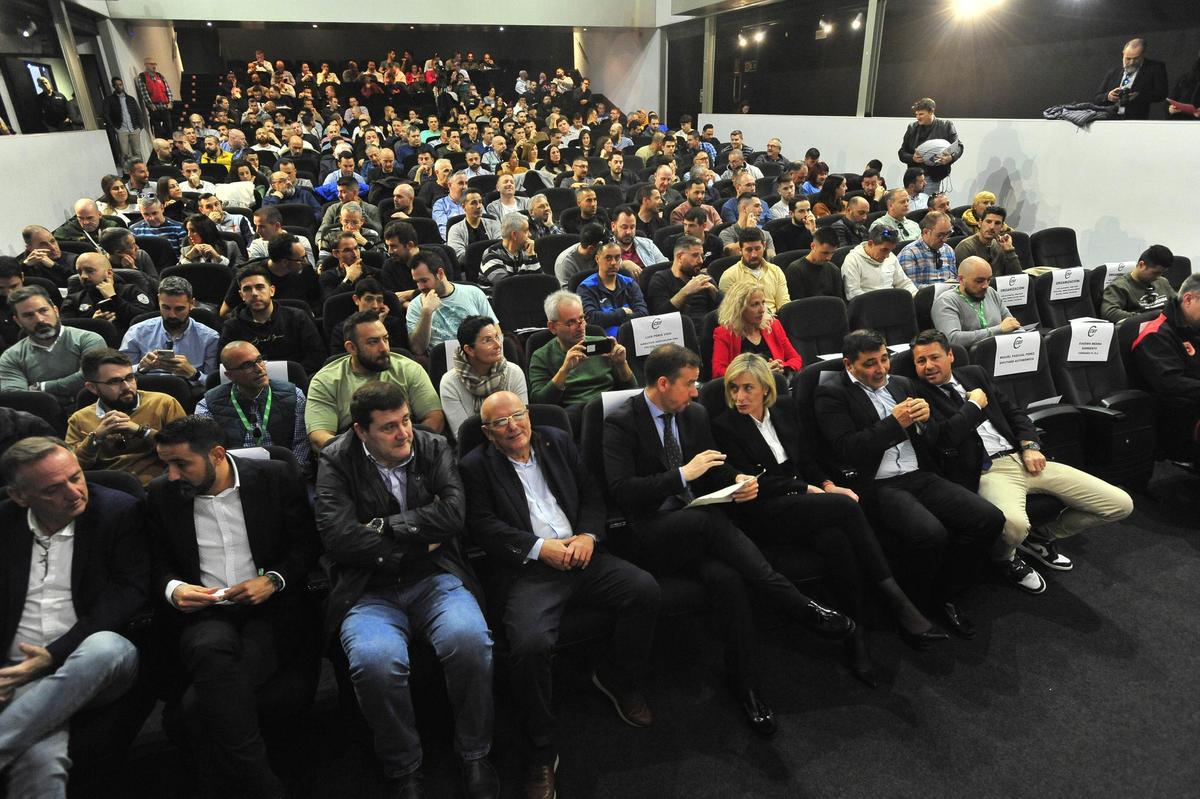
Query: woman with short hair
[[478, 370]]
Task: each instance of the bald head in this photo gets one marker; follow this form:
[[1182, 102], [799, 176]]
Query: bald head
[[87, 214], [973, 276]]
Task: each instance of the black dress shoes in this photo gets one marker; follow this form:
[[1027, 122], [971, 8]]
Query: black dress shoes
[[825, 622], [957, 621], [480, 780], [923, 641], [759, 715], [409, 786]]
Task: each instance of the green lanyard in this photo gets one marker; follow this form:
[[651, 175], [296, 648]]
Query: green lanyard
[[246, 422], [977, 306]]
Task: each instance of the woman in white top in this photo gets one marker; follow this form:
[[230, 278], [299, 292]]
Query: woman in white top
[[478, 370], [115, 199]]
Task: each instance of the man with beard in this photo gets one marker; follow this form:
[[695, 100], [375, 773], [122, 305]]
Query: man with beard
[[213, 154], [288, 262], [253, 409], [400, 238], [281, 332], [210, 205], [685, 287], [436, 312], [173, 342], [369, 358], [11, 279], [47, 359], [284, 190], [268, 223], [649, 214], [117, 430], [101, 297], [44, 258], [234, 543], [694, 194], [991, 243], [637, 252]]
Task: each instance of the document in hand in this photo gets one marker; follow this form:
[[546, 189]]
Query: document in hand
[[721, 495]]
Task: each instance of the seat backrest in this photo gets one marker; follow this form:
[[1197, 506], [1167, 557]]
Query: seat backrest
[[815, 326], [706, 344], [648, 272], [38, 403], [889, 311], [609, 196], [917, 215], [664, 238], [719, 265], [625, 337], [569, 219], [923, 302], [1016, 292], [804, 388], [1024, 249], [52, 291], [786, 258], [301, 215], [1055, 246], [483, 183], [517, 300], [839, 255], [116, 480], [549, 247], [1128, 329], [902, 362], [427, 230], [101, 326], [1023, 387], [1055, 312], [159, 250], [574, 280], [560, 200], [210, 282], [1101, 276], [474, 258], [469, 435], [1084, 382], [173, 385], [1178, 271]]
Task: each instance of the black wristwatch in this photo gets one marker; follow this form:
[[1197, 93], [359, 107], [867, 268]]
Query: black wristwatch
[[1032, 445], [377, 524], [276, 581]]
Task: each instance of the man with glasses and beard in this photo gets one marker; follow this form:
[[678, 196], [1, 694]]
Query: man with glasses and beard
[[173, 342], [253, 409], [47, 359], [117, 430]]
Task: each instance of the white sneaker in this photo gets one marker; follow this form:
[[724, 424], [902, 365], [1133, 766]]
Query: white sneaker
[[1047, 554], [1020, 573]]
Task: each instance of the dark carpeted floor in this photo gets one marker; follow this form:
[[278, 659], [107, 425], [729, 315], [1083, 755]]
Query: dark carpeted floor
[[1088, 690]]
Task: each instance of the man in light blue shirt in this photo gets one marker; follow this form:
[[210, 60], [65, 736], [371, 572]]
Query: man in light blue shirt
[[193, 345], [440, 306], [450, 205]]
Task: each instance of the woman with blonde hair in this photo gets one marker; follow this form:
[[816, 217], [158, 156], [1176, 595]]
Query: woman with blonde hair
[[761, 433], [974, 215], [745, 325]]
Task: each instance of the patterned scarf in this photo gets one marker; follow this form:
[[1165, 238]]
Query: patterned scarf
[[481, 386]]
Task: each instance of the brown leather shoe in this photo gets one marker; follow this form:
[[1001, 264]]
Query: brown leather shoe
[[631, 706], [539, 780]]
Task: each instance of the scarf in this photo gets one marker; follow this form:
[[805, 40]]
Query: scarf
[[481, 386]]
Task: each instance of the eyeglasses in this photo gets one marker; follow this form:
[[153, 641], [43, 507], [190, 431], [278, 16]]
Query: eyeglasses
[[578, 321], [247, 366], [503, 421], [116, 382]]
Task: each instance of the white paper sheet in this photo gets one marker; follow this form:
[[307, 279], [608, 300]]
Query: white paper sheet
[[652, 331], [1066, 284], [1017, 353], [1090, 341]]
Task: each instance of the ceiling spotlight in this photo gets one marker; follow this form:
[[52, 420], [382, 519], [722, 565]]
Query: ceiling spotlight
[[741, 40], [314, 24], [502, 29], [759, 36], [857, 22], [209, 24], [28, 28], [825, 26]]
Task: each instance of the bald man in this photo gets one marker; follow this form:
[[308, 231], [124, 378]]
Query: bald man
[[101, 297], [85, 224], [973, 312]]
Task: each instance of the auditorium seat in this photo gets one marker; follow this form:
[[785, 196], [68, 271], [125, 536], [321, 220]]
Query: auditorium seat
[[637, 362], [517, 301], [785, 259], [1055, 246], [664, 237], [923, 302], [560, 200], [609, 197], [1025, 311], [1178, 271], [839, 255], [1056, 313], [889, 311], [1120, 441], [38, 403], [103, 327], [1024, 250], [648, 272], [470, 436], [719, 265], [473, 261], [548, 248], [815, 326]]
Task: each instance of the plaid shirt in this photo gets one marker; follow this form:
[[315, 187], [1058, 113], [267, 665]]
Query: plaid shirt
[[924, 266], [144, 93]]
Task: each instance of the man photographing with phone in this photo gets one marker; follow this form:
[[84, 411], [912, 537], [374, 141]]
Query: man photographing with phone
[[561, 372]]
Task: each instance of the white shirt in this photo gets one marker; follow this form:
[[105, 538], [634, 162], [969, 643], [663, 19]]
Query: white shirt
[[546, 516], [993, 442], [767, 430], [901, 458], [49, 611], [221, 538]]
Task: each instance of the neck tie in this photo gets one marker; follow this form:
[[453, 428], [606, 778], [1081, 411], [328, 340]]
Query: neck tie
[[954, 396], [670, 442]]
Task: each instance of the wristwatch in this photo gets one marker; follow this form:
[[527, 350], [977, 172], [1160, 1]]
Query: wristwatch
[[1032, 445], [377, 524], [276, 580]]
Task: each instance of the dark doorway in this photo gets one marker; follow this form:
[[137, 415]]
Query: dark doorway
[[685, 65]]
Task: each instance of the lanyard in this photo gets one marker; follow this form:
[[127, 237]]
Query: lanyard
[[977, 306], [256, 432]]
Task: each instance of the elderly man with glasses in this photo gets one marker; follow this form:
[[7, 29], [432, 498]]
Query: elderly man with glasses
[[929, 259]]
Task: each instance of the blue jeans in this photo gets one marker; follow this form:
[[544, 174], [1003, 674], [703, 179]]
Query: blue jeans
[[33, 726], [375, 635]]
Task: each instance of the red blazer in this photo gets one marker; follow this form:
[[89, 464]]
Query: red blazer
[[727, 346]]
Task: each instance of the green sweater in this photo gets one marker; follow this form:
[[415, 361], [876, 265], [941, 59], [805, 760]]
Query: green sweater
[[586, 381], [330, 390], [56, 369], [1126, 297]]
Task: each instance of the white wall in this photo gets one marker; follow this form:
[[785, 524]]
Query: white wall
[[1120, 185], [615, 13], [79, 159], [625, 64]]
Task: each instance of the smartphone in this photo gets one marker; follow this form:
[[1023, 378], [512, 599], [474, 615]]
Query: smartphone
[[597, 345], [163, 354], [106, 304]]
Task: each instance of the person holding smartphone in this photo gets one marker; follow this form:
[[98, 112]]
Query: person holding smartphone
[[101, 297]]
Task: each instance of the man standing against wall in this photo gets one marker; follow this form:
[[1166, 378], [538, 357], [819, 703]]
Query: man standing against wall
[[926, 128], [156, 96]]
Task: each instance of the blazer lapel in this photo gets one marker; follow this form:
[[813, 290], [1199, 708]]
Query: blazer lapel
[[787, 427], [18, 552], [506, 476], [648, 431], [254, 509]]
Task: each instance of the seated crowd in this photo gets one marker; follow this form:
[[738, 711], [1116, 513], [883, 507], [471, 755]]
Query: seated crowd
[[330, 375]]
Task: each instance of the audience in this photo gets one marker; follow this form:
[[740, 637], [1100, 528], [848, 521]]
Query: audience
[[896, 219], [753, 267], [100, 295], [280, 332], [1142, 289], [974, 311], [439, 308], [991, 243], [477, 370], [929, 259], [745, 325], [816, 275], [798, 233], [513, 255], [850, 226], [685, 287], [45, 259], [48, 358], [873, 265], [609, 297], [1165, 352]]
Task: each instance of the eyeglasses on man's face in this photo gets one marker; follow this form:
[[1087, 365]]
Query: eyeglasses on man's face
[[503, 422]]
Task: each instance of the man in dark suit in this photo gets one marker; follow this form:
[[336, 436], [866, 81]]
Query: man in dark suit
[[234, 542], [73, 573], [1135, 85], [659, 454], [390, 508], [532, 505], [989, 444], [876, 425]]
